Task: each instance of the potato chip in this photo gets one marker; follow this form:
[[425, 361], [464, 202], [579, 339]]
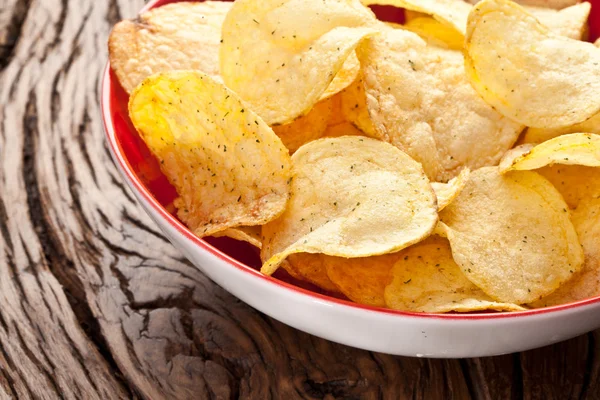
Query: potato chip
[[554, 4], [175, 36], [519, 67], [342, 129], [426, 279], [354, 107], [344, 77], [436, 33], [539, 135], [308, 127], [362, 280], [570, 22], [574, 182], [310, 268], [249, 234], [420, 101], [571, 149], [281, 64], [511, 235], [351, 196], [586, 283], [227, 165], [452, 13], [447, 192]]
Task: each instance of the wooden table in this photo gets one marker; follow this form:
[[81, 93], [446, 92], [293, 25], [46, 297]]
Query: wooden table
[[96, 304]]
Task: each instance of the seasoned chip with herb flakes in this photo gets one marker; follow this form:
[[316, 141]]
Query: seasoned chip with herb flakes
[[519, 67], [351, 196], [227, 165], [586, 283], [176, 36], [281, 65], [420, 101], [571, 149], [425, 278], [511, 235]]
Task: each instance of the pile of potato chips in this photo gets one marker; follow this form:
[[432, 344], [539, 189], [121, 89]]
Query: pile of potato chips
[[449, 164]]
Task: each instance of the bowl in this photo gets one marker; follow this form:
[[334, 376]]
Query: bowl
[[234, 266]]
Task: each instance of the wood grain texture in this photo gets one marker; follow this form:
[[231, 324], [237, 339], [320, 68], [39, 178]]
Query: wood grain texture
[[96, 304]]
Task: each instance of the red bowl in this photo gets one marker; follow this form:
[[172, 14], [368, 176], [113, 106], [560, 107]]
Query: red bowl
[[142, 172]]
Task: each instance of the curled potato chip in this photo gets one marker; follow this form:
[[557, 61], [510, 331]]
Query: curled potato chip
[[586, 283], [452, 13], [308, 127], [426, 279], [227, 165], [447, 192], [539, 135], [420, 100], [511, 235], [570, 22], [249, 234], [344, 77], [351, 197], [281, 64], [175, 36], [354, 107], [362, 280], [571, 149], [519, 67], [436, 33]]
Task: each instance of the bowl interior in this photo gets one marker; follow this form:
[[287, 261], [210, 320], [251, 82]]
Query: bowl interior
[[144, 166]]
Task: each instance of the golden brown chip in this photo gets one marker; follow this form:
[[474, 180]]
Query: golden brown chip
[[512, 235], [571, 149], [175, 36], [280, 64], [227, 165], [343, 129], [586, 283], [310, 268], [351, 196], [308, 127], [519, 67], [447, 192], [574, 182], [426, 279], [420, 100], [362, 280], [249, 234]]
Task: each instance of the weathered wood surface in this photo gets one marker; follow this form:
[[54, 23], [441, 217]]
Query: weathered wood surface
[[96, 304]]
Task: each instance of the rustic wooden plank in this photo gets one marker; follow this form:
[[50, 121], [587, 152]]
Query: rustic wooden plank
[[95, 303]]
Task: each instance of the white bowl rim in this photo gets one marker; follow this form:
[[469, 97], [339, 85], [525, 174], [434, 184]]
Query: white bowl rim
[[138, 186]]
